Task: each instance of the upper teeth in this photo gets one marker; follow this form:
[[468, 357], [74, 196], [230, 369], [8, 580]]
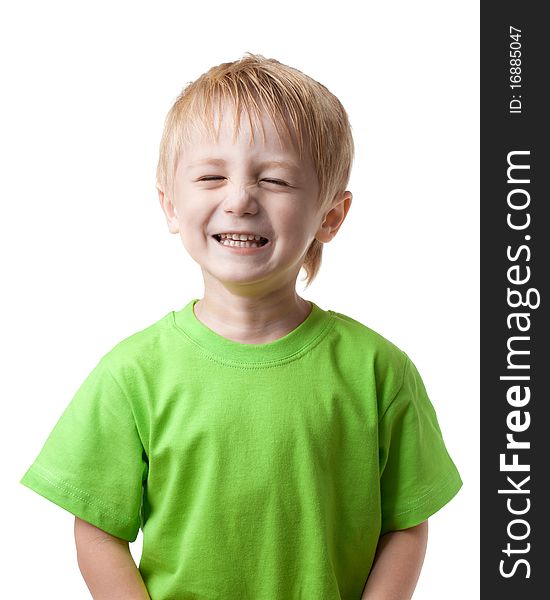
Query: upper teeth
[[239, 236]]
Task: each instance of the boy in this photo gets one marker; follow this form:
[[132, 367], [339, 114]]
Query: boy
[[268, 449]]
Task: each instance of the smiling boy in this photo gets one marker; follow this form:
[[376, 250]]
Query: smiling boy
[[256, 186], [267, 448]]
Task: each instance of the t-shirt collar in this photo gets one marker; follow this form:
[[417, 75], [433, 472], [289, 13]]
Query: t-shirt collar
[[288, 347]]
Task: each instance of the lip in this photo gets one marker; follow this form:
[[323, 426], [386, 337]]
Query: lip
[[241, 233]]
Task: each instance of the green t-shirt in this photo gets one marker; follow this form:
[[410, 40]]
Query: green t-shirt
[[255, 471]]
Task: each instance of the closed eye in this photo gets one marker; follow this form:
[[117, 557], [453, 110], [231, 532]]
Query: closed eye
[[215, 177], [276, 181]]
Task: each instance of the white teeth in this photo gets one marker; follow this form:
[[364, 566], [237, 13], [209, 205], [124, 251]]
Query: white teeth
[[239, 236], [239, 244]]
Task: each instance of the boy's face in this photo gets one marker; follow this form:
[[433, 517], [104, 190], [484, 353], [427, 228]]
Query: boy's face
[[226, 186]]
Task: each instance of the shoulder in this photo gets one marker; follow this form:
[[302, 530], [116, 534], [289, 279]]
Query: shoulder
[[141, 351], [370, 351], [368, 341]]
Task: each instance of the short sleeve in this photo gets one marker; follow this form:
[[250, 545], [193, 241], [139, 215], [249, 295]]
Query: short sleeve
[[417, 475], [93, 463]]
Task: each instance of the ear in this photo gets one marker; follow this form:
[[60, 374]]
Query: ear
[[335, 216], [169, 210]]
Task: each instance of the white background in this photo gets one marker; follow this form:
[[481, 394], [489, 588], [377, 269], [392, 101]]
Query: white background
[[87, 258]]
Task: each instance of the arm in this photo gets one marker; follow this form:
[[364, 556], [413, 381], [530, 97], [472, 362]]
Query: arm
[[397, 564], [107, 565]]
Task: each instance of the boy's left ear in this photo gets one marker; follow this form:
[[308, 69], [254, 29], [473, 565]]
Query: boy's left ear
[[334, 217]]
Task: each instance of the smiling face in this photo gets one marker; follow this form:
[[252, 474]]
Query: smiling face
[[257, 186]]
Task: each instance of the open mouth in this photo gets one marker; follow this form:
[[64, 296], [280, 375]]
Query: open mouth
[[251, 241]]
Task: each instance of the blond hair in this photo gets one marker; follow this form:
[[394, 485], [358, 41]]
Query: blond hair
[[297, 104]]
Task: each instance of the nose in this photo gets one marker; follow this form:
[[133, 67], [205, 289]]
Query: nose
[[240, 199]]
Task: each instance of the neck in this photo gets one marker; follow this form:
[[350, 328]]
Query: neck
[[257, 319]]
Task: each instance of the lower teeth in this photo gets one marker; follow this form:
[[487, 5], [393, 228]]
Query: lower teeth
[[241, 244]]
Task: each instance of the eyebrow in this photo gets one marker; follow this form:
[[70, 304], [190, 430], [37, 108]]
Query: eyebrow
[[219, 162]]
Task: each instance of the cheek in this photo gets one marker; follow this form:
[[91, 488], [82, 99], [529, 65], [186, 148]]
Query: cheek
[[193, 218], [288, 215], [296, 222]]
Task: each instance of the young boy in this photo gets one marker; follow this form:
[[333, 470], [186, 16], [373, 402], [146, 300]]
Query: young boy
[[267, 448]]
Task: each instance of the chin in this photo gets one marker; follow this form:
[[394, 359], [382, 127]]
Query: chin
[[238, 276]]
